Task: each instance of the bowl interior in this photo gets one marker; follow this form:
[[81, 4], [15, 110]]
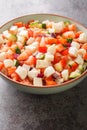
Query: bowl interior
[[43, 90]]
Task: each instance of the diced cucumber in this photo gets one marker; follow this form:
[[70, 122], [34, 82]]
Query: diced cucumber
[[16, 63], [12, 37], [58, 67], [81, 68], [66, 22], [42, 57], [35, 24], [74, 74], [85, 65]]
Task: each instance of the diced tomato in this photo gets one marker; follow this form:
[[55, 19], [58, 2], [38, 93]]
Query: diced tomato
[[42, 49], [26, 81], [65, 29], [50, 81], [77, 34], [51, 40], [61, 40], [21, 62], [68, 68], [28, 23], [13, 47], [30, 33], [9, 56], [31, 61], [38, 39], [60, 48], [65, 52], [11, 70], [22, 56], [20, 45], [84, 46], [69, 34], [1, 65], [9, 43], [63, 61], [19, 24], [85, 56], [15, 77], [28, 51], [49, 25], [74, 66], [72, 27], [42, 70], [57, 58]]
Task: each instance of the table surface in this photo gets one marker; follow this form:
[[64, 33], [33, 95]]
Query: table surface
[[63, 111]]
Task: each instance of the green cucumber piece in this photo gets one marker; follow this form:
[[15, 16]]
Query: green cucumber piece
[[12, 37], [74, 74]]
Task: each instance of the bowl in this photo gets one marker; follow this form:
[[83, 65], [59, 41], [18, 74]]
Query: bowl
[[45, 89]]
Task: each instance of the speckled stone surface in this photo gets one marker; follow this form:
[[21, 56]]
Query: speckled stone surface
[[63, 111]]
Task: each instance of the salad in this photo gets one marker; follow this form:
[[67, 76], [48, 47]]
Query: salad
[[43, 53]]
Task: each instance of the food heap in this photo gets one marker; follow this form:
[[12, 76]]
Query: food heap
[[43, 53]]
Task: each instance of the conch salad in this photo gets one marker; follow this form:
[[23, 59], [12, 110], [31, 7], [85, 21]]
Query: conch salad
[[43, 53]]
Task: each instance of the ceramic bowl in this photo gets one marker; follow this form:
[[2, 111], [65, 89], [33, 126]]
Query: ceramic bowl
[[45, 89]]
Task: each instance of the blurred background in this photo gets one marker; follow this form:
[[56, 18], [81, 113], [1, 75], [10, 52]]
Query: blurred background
[[73, 9], [63, 111]]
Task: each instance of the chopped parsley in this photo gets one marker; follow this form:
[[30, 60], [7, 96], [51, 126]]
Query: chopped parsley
[[69, 40], [42, 57], [44, 25], [66, 23], [17, 50]]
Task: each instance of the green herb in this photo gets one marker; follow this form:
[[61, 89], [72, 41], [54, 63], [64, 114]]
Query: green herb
[[17, 50], [42, 57], [69, 40], [44, 25], [33, 24], [67, 23], [16, 63]]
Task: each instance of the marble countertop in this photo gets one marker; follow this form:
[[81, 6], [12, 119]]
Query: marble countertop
[[63, 111]]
